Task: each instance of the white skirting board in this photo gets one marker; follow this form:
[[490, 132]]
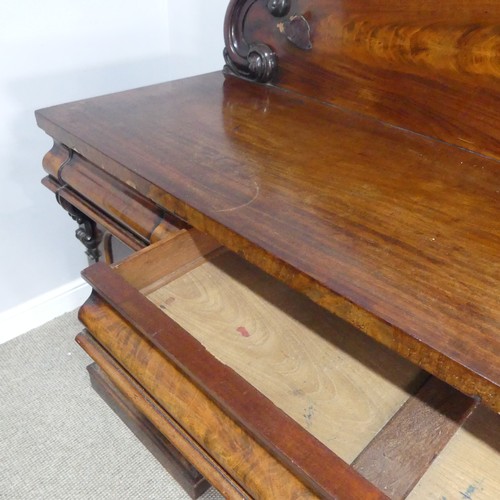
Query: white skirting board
[[41, 309]]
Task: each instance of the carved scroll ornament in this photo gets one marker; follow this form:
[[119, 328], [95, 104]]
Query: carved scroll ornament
[[255, 61], [87, 233]]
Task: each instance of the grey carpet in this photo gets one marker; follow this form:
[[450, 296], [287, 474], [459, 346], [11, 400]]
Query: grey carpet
[[58, 439]]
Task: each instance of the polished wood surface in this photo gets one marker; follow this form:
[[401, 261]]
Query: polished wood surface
[[396, 233], [316, 369], [260, 474], [255, 416], [350, 149], [105, 199], [193, 483], [431, 67], [68, 196], [162, 420]]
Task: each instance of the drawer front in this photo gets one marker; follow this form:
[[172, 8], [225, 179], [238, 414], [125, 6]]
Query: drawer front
[[158, 419], [118, 207], [281, 394]]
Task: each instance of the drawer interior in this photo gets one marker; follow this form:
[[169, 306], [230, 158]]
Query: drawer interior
[[469, 467], [335, 382]]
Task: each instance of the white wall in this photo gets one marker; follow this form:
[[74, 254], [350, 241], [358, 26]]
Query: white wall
[[57, 51]]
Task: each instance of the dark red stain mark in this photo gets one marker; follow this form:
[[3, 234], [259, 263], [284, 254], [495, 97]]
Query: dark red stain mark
[[243, 331]]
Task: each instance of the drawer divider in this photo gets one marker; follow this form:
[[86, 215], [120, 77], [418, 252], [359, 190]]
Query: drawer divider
[[400, 454]]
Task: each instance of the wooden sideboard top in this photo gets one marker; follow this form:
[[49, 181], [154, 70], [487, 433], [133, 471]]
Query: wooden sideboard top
[[393, 231]]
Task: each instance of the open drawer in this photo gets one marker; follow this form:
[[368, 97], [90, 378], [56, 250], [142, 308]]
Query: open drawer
[[273, 396]]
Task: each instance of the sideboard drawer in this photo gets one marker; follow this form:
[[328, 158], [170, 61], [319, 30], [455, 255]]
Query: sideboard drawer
[[287, 399]]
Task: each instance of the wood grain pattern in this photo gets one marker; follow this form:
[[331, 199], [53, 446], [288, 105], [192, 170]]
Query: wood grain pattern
[[251, 413], [193, 483], [367, 177], [337, 384], [432, 68], [55, 160], [67, 195], [402, 452], [396, 233], [103, 320], [227, 443], [117, 201], [469, 467], [161, 419], [177, 253]]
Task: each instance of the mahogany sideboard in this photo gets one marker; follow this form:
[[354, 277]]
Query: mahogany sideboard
[[310, 305]]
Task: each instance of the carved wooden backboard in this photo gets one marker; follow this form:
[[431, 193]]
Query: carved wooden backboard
[[428, 66]]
